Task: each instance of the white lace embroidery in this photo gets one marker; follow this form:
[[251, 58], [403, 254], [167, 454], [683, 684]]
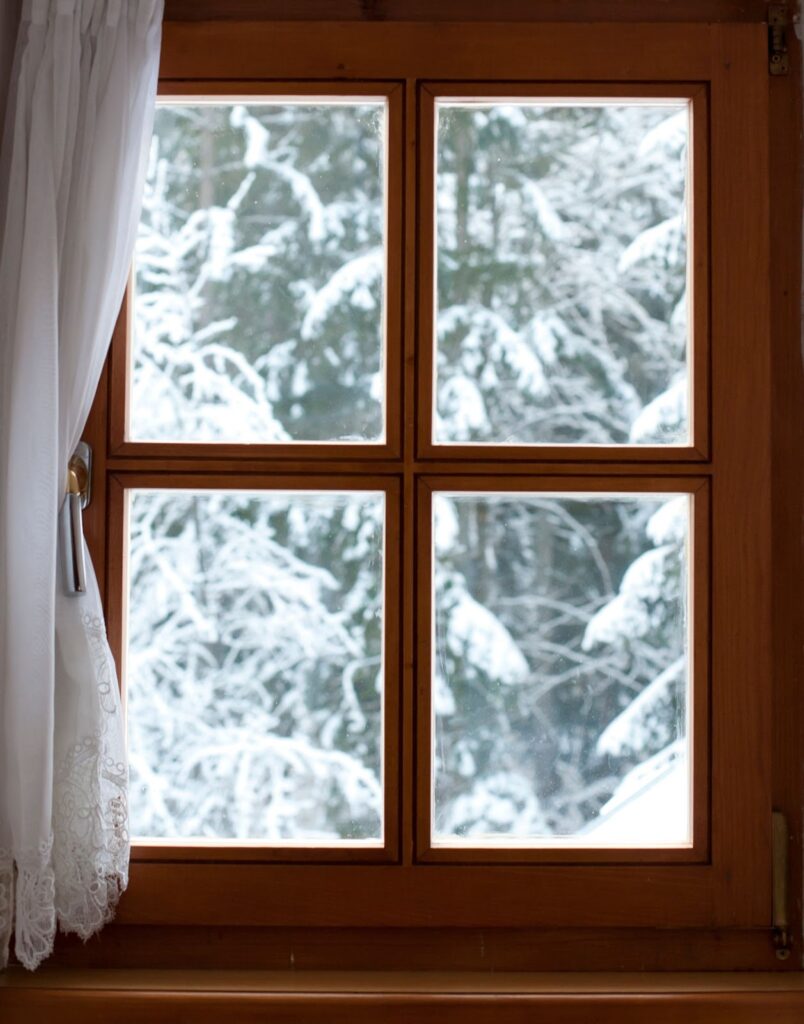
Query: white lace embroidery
[[78, 875], [6, 896]]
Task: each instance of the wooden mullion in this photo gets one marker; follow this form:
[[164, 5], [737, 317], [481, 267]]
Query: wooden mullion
[[410, 396]]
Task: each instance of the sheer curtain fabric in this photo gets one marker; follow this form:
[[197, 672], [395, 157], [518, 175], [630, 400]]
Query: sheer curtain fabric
[[77, 131]]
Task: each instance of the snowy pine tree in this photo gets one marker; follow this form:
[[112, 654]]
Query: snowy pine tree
[[255, 634]]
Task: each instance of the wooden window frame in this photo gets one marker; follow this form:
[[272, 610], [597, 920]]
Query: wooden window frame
[[698, 490], [386, 851], [391, 446], [697, 448], [724, 888]]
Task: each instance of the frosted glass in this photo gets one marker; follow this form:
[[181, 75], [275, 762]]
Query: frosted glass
[[560, 681], [254, 665], [561, 299], [260, 275]]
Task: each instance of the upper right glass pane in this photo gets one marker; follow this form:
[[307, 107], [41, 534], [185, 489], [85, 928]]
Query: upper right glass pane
[[562, 266]]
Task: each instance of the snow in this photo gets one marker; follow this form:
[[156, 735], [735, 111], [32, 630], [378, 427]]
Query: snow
[[628, 615], [670, 134], [670, 524], [478, 637], [502, 804], [650, 804], [255, 674], [645, 576], [623, 617], [493, 354], [550, 222], [655, 243], [270, 258], [221, 243], [307, 197], [446, 527], [228, 631], [628, 728], [561, 270], [443, 699], [461, 405], [256, 153], [664, 417], [545, 334], [351, 281]]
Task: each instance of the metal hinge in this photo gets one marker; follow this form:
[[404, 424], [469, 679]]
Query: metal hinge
[[780, 923], [778, 21]]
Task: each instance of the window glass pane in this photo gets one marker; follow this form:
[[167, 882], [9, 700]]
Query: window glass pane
[[254, 665], [260, 267], [560, 683], [562, 272]]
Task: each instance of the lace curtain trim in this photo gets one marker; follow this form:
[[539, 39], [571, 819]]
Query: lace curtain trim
[[76, 877]]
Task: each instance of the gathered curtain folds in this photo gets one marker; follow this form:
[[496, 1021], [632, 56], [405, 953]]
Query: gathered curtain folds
[[77, 132]]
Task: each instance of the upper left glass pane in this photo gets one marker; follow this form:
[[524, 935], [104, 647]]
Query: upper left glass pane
[[259, 274]]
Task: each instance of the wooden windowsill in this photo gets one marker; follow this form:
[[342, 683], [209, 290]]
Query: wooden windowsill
[[363, 997]]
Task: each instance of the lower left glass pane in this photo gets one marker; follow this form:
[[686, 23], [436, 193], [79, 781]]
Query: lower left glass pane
[[254, 665]]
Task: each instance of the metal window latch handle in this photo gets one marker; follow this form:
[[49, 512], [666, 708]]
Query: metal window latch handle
[[79, 476]]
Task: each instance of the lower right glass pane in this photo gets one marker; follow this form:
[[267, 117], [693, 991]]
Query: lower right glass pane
[[561, 682]]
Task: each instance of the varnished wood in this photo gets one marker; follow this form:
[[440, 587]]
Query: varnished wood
[[741, 533], [563, 949], [409, 473], [698, 342], [221, 853], [120, 443], [699, 255], [299, 911], [399, 982], [610, 895], [175, 461], [467, 10], [787, 466], [698, 851], [444, 50], [95, 516], [76, 1007], [540, 903], [433, 997]]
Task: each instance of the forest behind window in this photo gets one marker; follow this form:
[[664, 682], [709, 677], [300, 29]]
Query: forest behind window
[[255, 625]]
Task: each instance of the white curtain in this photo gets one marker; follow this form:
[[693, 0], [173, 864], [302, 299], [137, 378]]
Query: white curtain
[[78, 125]]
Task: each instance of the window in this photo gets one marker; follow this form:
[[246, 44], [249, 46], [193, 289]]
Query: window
[[437, 527]]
